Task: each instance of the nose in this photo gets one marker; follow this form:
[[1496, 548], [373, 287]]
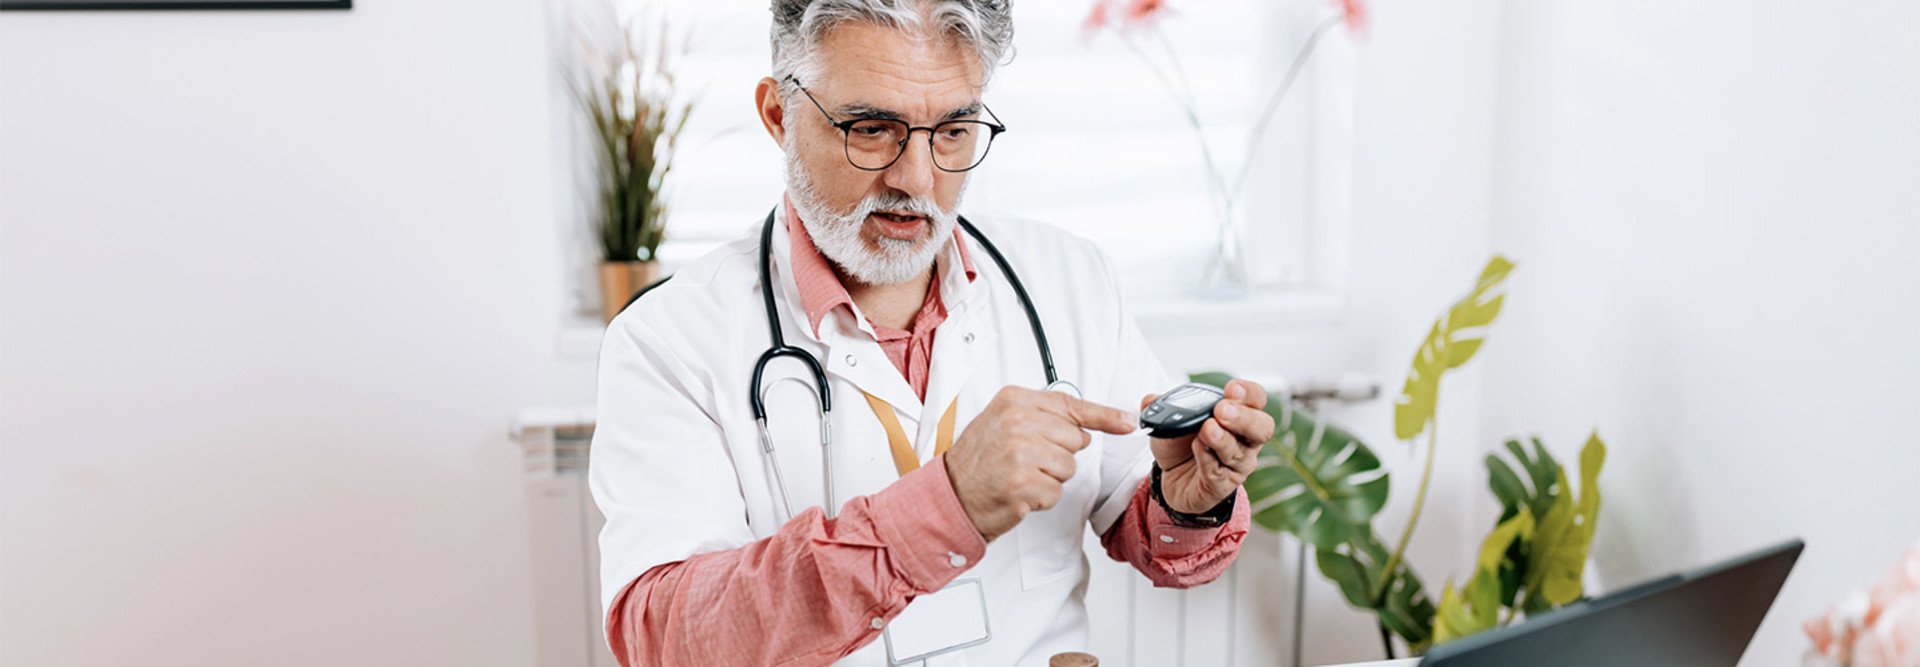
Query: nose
[[913, 172]]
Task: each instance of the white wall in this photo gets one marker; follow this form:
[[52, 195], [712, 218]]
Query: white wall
[[1716, 210], [1424, 105], [273, 283]]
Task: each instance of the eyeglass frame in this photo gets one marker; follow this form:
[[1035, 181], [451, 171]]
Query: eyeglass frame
[[846, 132]]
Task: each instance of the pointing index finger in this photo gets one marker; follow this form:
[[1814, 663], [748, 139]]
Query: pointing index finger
[[1086, 414]]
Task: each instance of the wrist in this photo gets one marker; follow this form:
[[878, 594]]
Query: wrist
[[1213, 517]]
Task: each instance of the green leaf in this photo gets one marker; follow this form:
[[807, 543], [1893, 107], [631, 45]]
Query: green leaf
[[1214, 378], [1506, 487], [1476, 607], [1537, 490], [1346, 572], [1494, 550], [1315, 480], [1558, 556], [1408, 611], [1462, 612], [1454, 339]]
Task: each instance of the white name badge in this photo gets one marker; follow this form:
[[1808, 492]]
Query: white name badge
[[944, 621]]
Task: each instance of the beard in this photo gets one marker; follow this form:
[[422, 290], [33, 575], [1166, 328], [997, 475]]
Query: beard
[[837, 233]]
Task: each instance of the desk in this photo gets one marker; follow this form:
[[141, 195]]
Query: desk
[[1404, 662]]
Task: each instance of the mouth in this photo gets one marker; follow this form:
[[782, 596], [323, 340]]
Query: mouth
[[899, 225]]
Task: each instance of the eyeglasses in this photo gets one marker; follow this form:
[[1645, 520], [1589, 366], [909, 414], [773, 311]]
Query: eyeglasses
[[873, 144]]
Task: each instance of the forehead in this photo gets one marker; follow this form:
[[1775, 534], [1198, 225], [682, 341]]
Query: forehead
[[886, 68]]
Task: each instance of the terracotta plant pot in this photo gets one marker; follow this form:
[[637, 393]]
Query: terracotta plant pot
[[619, 281]]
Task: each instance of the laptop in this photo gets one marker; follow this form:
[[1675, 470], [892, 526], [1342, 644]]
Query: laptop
[[1700, 618]]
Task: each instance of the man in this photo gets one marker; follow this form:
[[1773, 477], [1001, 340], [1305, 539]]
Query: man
[[718, 551]]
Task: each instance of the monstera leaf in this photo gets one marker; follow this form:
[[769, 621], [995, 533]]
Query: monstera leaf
[[1453, 340], [1403, 608], [1476, 607], [1558, 556], [1319, 483], [1536, 491], [1533, 560], [1315, 480]]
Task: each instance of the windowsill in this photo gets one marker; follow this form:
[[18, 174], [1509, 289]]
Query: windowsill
[[579, 337], [1268, 307]]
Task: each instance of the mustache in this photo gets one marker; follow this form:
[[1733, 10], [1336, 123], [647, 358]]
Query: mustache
[[900, 203]]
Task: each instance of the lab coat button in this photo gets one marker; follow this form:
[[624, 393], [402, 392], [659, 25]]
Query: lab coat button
[[877, 623], [969, 337], [854, 362], [956, 560]]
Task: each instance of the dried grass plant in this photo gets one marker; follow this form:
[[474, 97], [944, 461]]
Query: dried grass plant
[[624, 83]]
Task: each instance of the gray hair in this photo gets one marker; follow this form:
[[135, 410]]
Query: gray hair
[[798, 26]]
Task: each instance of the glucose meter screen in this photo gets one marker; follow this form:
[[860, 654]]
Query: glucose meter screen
[[1191, 399]]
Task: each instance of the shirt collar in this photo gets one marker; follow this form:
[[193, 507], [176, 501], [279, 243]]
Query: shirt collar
[[820, 289]]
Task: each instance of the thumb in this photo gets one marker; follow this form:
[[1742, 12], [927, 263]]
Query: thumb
[[1098, 417]]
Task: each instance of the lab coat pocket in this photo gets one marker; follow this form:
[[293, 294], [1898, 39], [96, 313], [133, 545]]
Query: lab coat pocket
[[1050, 540]]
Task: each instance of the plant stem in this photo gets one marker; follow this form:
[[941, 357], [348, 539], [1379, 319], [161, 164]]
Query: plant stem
[[1386, 640], [1217, 180], [1419, 502]]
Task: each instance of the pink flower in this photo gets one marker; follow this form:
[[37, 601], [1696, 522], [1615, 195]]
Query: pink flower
[[1834, 632], [1893, 641], [1880, 628], [1354, 14], [1097, 18], [1903, 581], [1134, 15]]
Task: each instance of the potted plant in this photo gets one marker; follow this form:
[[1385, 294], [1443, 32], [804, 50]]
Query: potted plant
[[1324, 486], [626, 87]]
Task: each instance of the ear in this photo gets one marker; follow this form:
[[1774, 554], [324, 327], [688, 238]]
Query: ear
[[772, 109]]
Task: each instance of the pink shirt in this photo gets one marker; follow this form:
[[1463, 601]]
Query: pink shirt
[[815, 591], [911, 351]]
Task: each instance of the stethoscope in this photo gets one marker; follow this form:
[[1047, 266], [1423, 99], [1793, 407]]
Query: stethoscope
[[824, 395]]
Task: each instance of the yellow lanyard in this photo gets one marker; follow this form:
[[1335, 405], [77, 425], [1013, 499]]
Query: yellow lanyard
[[904, 460]]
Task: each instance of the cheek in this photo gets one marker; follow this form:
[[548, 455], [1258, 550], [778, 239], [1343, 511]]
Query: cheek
[[837, 181], [946, 192]]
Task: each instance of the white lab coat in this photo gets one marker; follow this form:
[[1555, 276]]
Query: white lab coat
[[676, 463]]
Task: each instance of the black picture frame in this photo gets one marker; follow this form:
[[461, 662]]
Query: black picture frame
[[173, 4]]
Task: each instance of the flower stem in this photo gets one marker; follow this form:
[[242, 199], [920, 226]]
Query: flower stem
[[1273, 101]]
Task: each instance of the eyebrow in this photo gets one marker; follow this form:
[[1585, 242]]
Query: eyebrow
[[869, 112]]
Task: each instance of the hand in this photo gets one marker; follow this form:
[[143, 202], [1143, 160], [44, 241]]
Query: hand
[[1201, 470], [1014, 457]]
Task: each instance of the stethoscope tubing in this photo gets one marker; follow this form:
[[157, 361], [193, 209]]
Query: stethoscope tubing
[[823, 393]]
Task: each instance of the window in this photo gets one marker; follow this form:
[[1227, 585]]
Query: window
[[1096, 144]]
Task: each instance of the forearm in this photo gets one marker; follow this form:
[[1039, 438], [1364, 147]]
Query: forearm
[[1171, 555], [813, 592]]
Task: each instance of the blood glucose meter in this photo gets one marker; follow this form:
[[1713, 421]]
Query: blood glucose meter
[[1181, 410]]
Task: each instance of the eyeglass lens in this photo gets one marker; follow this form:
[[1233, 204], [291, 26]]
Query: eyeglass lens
[[958, 145]]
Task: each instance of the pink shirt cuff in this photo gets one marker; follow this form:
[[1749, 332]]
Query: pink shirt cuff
[[921, 521], [1167, 540]]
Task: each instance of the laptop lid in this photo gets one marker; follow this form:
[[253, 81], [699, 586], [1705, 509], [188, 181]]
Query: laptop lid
[[1700, 618]]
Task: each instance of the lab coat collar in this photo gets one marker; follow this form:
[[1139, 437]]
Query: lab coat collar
[[822, 297], [851, 348]]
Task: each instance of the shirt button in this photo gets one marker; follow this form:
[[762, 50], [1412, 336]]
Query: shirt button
[[1166, 538], [877, 623], [956, 560], [853, 362], [968, 338]]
